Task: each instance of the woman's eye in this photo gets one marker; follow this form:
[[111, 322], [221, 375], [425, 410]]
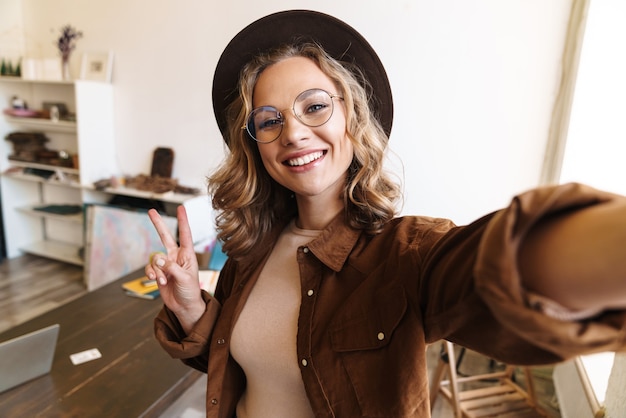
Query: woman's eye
[[268, 124], [316, 107]]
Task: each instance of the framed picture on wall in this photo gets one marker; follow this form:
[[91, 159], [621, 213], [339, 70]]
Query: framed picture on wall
[[97, 66]]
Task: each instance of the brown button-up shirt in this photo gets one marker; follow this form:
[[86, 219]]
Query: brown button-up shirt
[[371, 304]]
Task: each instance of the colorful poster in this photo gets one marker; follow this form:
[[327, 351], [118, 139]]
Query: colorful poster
[[118, 241]]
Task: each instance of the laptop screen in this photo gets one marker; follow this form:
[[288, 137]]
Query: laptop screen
[[26, 357]]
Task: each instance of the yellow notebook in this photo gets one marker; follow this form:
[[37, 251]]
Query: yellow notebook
[[141, 287]]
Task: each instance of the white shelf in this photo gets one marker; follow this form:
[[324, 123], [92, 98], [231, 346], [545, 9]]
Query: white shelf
[[39, 179], [57, 250], [55, 168], [9, 79], [170, 197], [30, 210], [42, 124]]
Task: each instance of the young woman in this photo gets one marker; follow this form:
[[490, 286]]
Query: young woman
[[328, 301]]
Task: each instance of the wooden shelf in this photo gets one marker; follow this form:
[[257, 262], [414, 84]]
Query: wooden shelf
[[56, 250]]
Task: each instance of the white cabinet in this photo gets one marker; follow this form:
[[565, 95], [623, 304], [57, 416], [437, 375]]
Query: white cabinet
[[25, 191]]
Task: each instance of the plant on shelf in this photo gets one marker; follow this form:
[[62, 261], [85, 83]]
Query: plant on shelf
[[66, 43]]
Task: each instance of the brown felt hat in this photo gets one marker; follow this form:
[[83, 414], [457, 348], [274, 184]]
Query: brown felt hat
[[337, 38]]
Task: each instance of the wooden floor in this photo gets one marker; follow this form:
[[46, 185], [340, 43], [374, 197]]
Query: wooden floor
[[31, 285]]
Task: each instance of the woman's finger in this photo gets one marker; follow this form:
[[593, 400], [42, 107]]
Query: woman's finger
[[184, 230], [149, 272], [153, 270], [164, 233]]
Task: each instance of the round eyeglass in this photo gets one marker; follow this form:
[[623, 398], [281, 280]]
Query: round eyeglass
[[313, 107]]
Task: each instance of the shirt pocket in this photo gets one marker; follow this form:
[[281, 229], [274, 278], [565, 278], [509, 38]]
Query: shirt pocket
[[370, 325], [377, 342]]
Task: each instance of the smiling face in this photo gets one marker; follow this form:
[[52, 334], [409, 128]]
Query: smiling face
[[310, 161]]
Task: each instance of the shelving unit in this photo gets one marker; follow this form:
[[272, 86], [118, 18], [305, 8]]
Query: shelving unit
[[90, 138]]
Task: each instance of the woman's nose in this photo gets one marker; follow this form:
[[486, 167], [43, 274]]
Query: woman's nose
[[293, 129]]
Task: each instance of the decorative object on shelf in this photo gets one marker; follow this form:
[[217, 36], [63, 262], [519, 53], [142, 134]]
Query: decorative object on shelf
[[7, 69], [18, 103], [60, 209], [39, 172], [22, 113], [56, 111], [30, 147], [152, 184], [26, 145], [162, 161], [66, 43], [54, 114], [145, 183], [31, 69], [47, 69], [97, 66]]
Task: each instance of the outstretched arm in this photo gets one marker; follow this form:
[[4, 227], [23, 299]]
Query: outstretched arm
[[578, 259], [176, 271]]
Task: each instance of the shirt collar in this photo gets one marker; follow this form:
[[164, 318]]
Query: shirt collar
[[332, 247], [335, 243]]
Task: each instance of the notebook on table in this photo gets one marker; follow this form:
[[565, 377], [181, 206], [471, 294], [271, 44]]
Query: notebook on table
[[26, 357]]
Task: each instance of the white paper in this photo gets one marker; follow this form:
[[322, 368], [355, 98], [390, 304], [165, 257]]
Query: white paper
[[85, 356]]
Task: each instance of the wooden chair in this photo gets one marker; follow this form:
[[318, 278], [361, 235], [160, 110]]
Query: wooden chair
[[503, 398]]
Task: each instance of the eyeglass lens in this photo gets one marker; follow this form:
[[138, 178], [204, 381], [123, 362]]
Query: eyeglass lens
[[312, 107]]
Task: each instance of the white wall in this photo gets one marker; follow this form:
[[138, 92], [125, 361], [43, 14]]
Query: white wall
[[474, 82], [11, 30]]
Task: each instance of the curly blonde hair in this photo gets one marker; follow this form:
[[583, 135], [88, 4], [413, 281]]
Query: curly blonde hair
[[249, 202]]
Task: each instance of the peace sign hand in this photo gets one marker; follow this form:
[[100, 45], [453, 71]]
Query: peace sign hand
[[176, 272]]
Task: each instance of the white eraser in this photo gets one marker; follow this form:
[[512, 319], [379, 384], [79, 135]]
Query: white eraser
[[85, 356]]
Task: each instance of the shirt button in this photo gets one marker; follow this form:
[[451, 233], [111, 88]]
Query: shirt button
[[305, 250], [213, 401], [381, 336], [304, 362], [221, 341], [310, 292]]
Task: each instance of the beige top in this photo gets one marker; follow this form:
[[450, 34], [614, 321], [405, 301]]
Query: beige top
[[264, 337]]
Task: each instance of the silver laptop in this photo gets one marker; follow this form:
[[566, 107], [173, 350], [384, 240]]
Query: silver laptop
[[26, 357]]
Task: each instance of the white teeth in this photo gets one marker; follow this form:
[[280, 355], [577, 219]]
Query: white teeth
[[305, 159]]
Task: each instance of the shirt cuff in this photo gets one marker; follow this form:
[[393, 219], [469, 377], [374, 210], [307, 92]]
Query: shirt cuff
[[539, 320], [557, 311], [172, 337]]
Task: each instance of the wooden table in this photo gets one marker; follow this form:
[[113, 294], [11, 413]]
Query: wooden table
[[134, 377]]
